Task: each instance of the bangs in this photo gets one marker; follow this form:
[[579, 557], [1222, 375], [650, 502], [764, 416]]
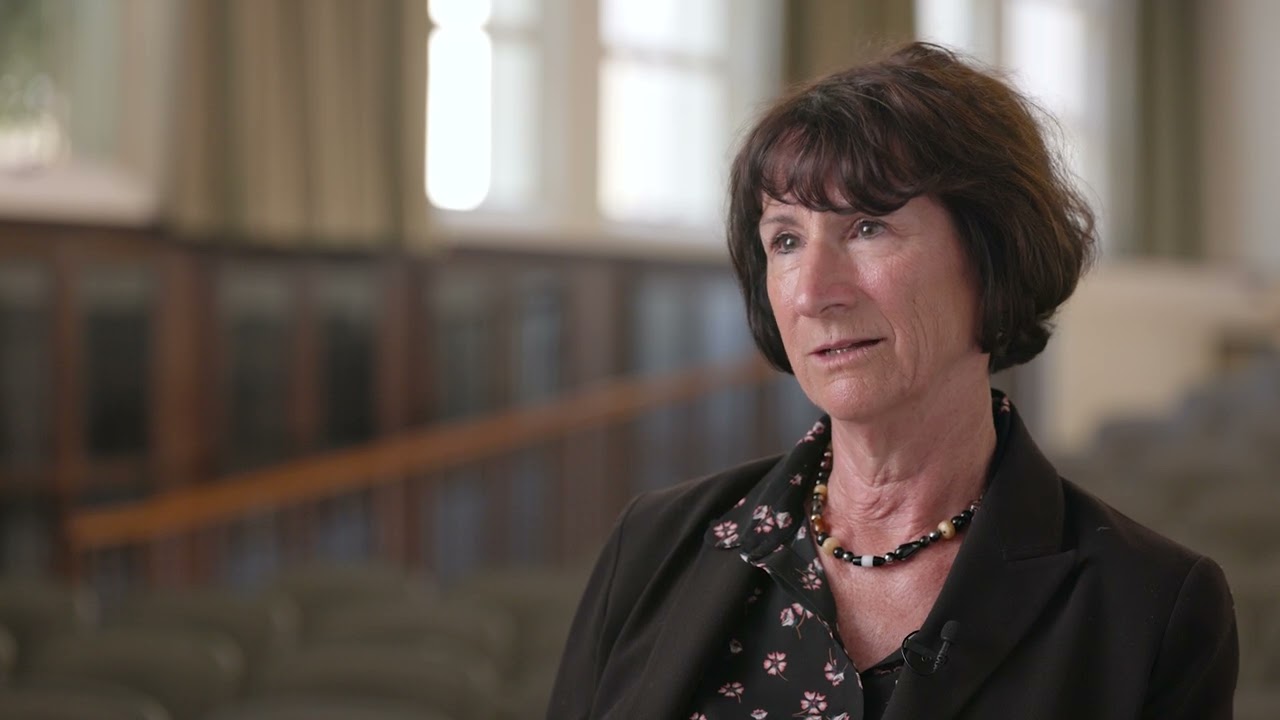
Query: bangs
[[809, 157]]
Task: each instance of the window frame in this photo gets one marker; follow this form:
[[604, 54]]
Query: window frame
[[567, 217]]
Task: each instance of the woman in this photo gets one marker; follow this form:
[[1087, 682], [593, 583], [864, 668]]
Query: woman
[[900, 231]]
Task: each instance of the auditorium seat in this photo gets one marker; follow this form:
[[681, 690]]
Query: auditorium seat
[[189, 672], [420, 679], [260, 625], [84, 701], [8, 654], [33, 610], [303, 708], [1257, 703], [479, 631], [316, 589]]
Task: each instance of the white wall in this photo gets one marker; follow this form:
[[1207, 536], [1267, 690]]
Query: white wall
[[1134, 339]]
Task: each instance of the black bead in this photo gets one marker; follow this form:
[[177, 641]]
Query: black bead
[[906, 550]]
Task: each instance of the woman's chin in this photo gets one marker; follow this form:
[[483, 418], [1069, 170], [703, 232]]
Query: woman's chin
[[855, 399]]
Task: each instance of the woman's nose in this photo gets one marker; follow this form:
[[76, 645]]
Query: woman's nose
[[824, 281]]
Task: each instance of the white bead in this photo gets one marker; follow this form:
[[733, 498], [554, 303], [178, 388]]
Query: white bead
[[867, 560], [947, 530]]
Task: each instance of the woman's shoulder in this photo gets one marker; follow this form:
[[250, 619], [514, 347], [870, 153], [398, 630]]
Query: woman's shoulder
[[1113, 541], [685, 509]]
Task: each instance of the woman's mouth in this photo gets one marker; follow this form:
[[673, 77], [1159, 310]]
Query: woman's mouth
[[845, 348]]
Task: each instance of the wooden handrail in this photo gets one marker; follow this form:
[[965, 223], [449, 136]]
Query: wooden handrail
[[424, 451]]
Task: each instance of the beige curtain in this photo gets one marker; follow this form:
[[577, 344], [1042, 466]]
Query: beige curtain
[[1168, 198], [826, 35], [300, 122]]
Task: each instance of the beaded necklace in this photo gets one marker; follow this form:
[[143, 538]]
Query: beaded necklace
[[946, 530]]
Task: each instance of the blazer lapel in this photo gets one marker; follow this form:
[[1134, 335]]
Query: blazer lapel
[[1007, 570], [709, 601]]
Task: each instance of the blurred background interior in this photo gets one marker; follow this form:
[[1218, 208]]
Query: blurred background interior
[[334, 335]]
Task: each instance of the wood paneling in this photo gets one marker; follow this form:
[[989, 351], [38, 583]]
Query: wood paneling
[[507, 369]]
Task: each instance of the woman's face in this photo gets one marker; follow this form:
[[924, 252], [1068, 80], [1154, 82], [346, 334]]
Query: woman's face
[[874, 311]]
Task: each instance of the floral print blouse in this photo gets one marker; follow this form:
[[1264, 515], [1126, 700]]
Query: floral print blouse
[[785, 659]]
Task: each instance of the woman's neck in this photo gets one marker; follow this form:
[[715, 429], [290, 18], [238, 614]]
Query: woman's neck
[[897, 477]]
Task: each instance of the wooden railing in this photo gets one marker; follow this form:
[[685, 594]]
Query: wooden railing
[[587, 443]]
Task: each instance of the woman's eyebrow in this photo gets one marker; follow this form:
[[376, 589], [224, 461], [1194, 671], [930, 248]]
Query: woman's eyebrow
[[780, 217]]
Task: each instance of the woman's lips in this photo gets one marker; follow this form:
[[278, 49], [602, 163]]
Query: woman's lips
[[846, 347]]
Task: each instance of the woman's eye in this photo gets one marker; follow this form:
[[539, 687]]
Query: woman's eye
[[785, 243], [868, 228]]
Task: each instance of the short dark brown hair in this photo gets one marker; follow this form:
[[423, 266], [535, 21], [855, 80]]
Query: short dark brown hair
[[922, 121]]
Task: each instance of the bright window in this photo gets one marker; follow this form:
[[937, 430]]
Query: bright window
[[592, 118], [482, 103], [1068, 55], [663, 110]]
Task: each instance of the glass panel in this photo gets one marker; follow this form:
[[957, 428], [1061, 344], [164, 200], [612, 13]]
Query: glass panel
[[25, 364], [459, 117], [257, 314], [1045, 45], [34, 115], [658, 442], [345, 529], [459, 13], [530, 477], [253, 553], [796, 414], [459, 517], [516, 13], [662, 153], [117, 359], [661, 325], [693, 28], [724, 334], [946, 22], [538, 357], [463, 346], [349, 336], [516, 127]]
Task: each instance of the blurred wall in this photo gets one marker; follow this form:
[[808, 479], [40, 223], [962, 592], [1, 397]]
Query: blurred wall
[[1241, 147]]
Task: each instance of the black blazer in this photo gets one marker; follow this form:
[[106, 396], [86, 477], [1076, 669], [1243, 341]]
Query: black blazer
[[1066, 609]]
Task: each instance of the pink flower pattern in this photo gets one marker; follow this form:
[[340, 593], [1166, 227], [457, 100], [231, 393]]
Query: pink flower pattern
[[819, 428], [765, 670], [811, 575], [775, 663], [727, 533], [832, 671], [813, 703]]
